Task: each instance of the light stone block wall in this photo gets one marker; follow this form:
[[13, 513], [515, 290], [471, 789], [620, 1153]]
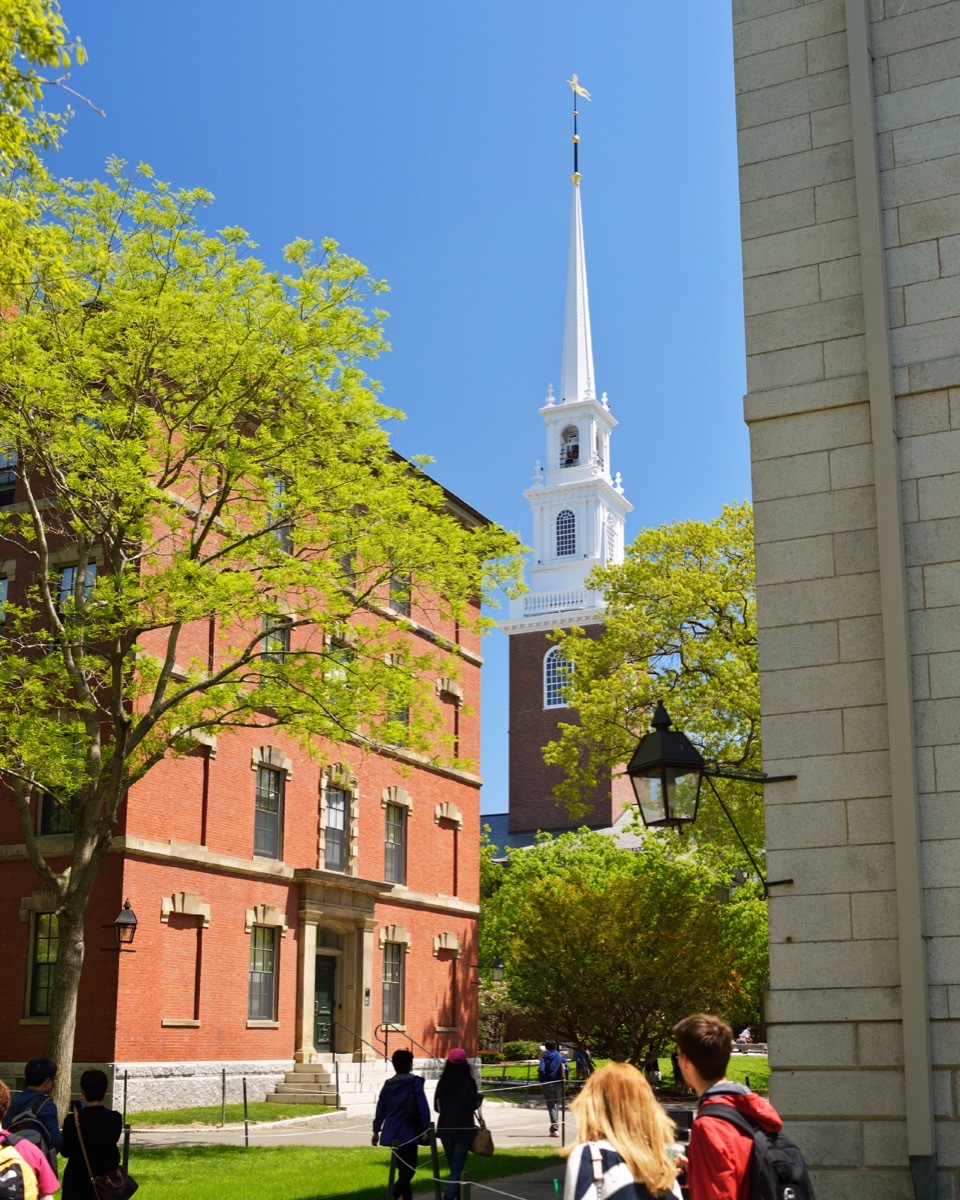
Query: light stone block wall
[[835, 1015], [151, 1086]]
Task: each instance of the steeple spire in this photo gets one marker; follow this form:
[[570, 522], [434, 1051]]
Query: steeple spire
[[576, 373], [577, 503]]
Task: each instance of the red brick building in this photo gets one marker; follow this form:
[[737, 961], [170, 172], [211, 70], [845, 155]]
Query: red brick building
[[286, 911]]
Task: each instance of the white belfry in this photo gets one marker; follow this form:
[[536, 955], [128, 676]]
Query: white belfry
[[578, 506]]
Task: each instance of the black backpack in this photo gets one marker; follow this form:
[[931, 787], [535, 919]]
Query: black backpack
[[28, 1127], [554, 1073], [777, 1169], [17, 1180], [411, 1108]]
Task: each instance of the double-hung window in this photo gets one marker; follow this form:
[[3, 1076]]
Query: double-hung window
[[393, 983], [262, 985], [44, 945], [400, 594], [268, 813], [395, 856], [68, 584], [278, 506], [53, 817], [275, 645], [8, 476], [335, 829]]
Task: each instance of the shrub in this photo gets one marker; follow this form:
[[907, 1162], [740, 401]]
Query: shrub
[[489, 1056], [521, 1049]]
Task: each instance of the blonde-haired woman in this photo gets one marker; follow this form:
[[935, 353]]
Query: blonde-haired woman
[[622, 1138]]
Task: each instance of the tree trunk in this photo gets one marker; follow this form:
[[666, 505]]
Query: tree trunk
[[63, 1001]]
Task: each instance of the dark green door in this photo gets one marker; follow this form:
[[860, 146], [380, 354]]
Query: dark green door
[[324, 1003]]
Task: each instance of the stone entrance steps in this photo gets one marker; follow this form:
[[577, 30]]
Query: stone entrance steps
[[334, 1079]]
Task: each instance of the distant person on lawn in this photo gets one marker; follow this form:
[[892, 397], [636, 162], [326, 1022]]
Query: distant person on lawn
[[552, 1073], [401, 1120]]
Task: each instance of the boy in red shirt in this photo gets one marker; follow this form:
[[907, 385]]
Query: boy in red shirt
[[719, 1154]]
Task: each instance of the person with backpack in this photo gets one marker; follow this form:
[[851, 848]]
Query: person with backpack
[[25, 1173], [33, 1114], [552, 1073], [736, 1150], [402, 1120]]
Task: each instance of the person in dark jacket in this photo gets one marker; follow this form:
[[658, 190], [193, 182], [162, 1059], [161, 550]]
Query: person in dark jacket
[[456, 1100], [401, 1120], [101, 1128], [39, 1076], [552, 1073]]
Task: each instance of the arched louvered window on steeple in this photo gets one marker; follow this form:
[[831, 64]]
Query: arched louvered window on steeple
[[557, 670], [566, 533], [610, 535]]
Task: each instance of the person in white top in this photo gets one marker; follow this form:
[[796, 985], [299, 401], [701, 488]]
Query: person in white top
[[623, 1135]]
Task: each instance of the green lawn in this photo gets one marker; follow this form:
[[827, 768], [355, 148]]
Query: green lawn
[[743, 1068], [511, 1070], [300, 1172], [259, 1110], [751, 1069]]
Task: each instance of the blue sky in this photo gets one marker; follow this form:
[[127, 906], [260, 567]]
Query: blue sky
[[431, 139]]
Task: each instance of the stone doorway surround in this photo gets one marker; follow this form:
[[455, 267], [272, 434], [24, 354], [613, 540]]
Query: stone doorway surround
[[344, 904]]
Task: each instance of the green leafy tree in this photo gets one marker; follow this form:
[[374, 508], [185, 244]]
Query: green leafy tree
[[610, 947], [211, 519], [35, 54], [681, 627]]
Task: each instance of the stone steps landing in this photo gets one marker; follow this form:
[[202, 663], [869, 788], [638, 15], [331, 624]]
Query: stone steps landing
[[358, 1084]]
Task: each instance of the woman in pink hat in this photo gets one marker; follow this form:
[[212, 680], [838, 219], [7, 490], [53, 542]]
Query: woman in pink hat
[[456, 1100]]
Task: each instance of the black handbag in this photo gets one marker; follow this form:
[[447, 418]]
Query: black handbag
[[117, 1184]]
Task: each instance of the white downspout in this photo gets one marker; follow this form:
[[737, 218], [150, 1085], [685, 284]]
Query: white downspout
[[917, 1061]]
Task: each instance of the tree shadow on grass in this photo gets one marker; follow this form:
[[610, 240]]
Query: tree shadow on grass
[[303, 1172]]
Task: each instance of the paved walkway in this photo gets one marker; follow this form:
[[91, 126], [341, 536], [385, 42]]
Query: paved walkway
[[534, 1185], [513, 1126]]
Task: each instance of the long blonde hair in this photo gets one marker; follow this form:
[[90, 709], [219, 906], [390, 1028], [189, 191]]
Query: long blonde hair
[[618, 1105]]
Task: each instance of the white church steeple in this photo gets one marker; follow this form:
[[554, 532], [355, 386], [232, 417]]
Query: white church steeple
[[576, 371], [578, 508]]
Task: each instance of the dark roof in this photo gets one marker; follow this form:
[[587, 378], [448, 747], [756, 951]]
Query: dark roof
[[504, 840], [455, 502]]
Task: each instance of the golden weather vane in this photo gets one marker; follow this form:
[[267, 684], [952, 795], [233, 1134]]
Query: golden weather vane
[[578, 90]]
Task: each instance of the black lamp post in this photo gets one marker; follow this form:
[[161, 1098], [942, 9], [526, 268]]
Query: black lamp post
[[126, 927], [667, 772]]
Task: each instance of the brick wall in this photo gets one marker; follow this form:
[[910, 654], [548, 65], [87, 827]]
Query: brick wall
[[182, 998], [532, 805]]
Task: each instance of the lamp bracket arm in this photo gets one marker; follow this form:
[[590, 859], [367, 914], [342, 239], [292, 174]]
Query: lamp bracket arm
[[726, 813], [754, 776]]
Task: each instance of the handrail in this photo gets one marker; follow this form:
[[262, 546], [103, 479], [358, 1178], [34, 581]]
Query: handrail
[[386, 1026], [353, 1033]]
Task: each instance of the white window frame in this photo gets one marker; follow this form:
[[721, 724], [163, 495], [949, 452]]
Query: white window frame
[[555, 679], [566, 533]]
